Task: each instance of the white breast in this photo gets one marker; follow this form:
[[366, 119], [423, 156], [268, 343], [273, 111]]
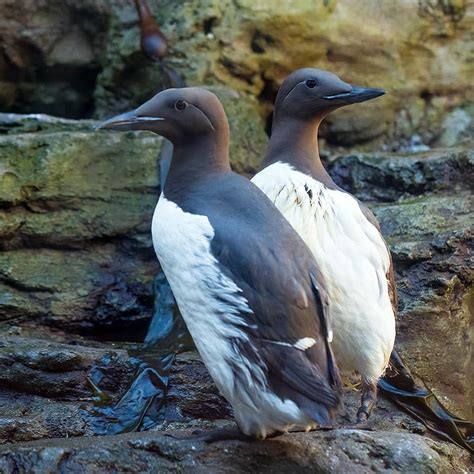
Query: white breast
[[212, 306], [353, 258]]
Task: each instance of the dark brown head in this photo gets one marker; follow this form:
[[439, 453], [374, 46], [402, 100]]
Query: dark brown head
[[183, 116], [312, 93]]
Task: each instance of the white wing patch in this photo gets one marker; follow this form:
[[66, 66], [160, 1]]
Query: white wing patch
[[352, 256], [305, 343], [301, 344]]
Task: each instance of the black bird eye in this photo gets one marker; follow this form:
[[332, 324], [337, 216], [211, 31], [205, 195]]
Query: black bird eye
[[180, 105], [311, 83]]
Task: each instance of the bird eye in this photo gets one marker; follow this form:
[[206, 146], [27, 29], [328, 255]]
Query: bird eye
[[180, 105], [311, 83]]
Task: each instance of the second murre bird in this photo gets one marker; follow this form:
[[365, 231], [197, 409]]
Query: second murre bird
[[342, 233], [262, 332]]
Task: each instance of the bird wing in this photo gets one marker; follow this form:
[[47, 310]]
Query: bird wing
[[277, 275]]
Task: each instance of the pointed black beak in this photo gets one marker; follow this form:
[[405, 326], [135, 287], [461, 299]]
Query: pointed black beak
[[357, 94], [126, 121]]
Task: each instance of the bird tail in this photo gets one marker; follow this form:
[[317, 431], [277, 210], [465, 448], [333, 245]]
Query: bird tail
[[412, 394]]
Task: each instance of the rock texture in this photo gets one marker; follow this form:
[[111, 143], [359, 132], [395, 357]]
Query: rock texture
[[74, 224], [339, 451], [62, 373], [76, 263], [77, 59]]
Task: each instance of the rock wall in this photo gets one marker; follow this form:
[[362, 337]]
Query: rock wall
[[76, 206], [80, 59], [74, 226]]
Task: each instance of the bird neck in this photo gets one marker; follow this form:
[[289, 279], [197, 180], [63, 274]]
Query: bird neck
[[295, 142], [195, 160]]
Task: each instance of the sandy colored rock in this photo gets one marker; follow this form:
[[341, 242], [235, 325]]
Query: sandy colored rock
[[420, 52]]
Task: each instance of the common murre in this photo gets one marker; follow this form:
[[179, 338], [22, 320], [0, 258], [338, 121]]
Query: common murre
[[262, 332], [342, 233]]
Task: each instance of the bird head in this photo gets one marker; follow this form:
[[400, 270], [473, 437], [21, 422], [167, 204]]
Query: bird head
[[180, 115], [313, 93]]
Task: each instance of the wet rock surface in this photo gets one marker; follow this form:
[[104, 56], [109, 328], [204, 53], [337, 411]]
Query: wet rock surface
[[67, 411], [336, 451]]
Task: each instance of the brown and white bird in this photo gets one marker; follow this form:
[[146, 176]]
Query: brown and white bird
[[262, 333], [342, 233]]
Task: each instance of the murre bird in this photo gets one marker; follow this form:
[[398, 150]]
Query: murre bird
[[342, 233], [246, 284]]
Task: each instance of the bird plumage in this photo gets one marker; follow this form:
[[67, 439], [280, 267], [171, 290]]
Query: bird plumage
[[246, 284], [258, 329], [342, 234], [353, 258]]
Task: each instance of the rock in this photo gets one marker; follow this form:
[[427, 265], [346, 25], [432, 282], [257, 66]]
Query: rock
[[75, 211], [419, 52], [48, 388], [389, 177], [458, 127], [37, 67], [44, 385], [67, 404], [337, 451]]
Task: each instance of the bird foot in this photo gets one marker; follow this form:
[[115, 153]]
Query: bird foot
[[362, 415]]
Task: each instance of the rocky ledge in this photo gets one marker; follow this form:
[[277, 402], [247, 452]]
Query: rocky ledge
[[50, 400]]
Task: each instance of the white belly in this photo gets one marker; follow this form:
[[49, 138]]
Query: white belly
[[353, 258], [211, 305]]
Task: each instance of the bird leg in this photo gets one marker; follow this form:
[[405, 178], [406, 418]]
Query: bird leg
[[367, 401]]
